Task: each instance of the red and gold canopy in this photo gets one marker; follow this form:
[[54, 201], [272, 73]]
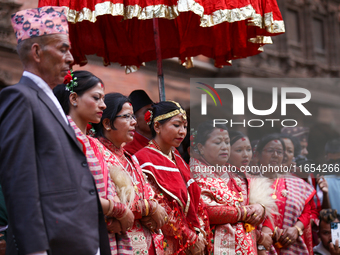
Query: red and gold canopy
[[122, 30]]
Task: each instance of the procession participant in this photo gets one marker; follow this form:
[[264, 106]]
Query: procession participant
[[292, 196], [226, 192], [141, 103], [117, 127], [187, 230], [51, 198], [82, 99]]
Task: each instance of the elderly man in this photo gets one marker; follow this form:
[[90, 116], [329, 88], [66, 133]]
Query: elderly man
[[50, 194]]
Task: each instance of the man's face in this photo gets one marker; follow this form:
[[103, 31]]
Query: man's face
[[55, 59], [325, 233], [141, 123]]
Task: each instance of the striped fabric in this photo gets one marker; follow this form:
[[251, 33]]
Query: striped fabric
[[119, 244], [299, 194]]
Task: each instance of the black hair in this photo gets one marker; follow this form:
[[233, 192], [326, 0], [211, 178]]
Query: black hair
[[266, 139], [114, 104], [161, 108], [254, 145], [235, 136], [296, 143], [85, 81], [205, 129], [328, 215]]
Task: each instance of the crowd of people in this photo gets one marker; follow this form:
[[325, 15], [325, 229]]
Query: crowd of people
[[84, 172]]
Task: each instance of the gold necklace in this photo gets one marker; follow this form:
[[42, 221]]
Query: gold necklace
[[170, 156], [274, 196]]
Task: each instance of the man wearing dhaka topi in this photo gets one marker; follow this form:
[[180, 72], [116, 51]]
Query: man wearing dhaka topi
[[50, 194]]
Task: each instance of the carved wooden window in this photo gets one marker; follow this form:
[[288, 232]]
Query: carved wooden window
[[318, 34], [293, 26]]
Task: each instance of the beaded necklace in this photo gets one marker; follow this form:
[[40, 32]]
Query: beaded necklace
[[169, 156]]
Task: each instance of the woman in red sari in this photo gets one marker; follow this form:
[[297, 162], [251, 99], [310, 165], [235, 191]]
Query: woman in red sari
[[187, 229], [82, 101], [226, 192], [115, 129], [293, 197]]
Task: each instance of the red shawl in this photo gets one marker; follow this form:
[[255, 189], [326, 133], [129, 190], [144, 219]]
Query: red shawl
[[138, 143], [173, 178]]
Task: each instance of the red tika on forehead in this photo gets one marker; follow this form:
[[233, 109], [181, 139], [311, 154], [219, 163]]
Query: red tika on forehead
[[221, 130], [101, 85], [276, 141], [243, 139]]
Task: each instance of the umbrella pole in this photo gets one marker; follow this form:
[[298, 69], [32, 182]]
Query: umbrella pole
[[160, 74]]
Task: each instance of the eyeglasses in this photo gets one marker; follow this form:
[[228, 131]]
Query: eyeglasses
[[127, 116], [272, 151]]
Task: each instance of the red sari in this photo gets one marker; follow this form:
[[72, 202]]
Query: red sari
[[143, 241], [178, 194], [294, 198], [224, 195]]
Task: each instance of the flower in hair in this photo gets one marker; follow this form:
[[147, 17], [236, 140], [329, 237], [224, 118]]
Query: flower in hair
[[148, 117], [70, 81], [90, 130]]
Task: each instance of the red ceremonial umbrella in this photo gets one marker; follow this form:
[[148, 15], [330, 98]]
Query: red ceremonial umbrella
[[131, 32]]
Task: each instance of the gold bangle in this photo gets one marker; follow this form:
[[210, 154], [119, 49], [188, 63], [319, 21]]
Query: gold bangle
[[146, 207], [109, 212], [264, 210], [245, 213], [300, 231], [274, 232]]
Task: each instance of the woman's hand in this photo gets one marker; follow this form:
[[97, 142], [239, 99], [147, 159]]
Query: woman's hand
[[113, 225], [199, 246], [266, 241], [276, 236], [127, 221], [254, 214], [148, 222], [288, 236], [160, 217]]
